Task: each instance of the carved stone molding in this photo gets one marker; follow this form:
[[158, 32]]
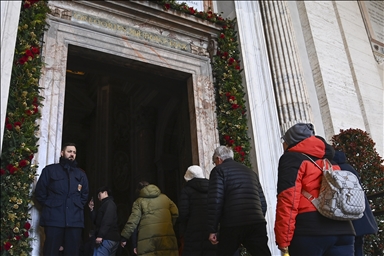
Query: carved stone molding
[[379, 58], [199, 51], [212, 48], [61, 13]]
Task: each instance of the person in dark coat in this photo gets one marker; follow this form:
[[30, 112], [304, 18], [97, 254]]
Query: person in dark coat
[[62, 192], [106, 229], [193, 214], [234, 203], [365, 225]]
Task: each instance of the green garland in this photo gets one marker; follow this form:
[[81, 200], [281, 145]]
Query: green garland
[[230, 103], [24, 102], [360, 151], [20, 141]]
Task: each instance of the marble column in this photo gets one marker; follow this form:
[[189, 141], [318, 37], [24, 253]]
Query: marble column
[[262, 111], [10, 13], [290, 90]]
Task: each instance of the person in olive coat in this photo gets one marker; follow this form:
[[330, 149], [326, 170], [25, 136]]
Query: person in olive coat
[[62, 192], [154, 214], [193, 214]]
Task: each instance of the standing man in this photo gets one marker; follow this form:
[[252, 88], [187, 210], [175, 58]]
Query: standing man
[[236, 202], [62, 191], [106, 232]]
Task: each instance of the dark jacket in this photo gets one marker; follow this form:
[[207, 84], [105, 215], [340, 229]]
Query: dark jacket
[[62, 191], [295, 214], [234, 197], [193, 218], [105, 220], [366, 224]]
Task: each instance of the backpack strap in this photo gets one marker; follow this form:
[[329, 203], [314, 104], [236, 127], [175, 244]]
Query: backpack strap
[[305, 193], [313, 162]]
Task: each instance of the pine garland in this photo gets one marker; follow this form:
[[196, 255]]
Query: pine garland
[[20, 141], [361, 154]]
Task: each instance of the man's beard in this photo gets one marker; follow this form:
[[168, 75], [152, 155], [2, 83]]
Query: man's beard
[[71, 161]]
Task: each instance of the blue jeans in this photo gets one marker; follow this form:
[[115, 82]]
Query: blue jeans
[[106, 248], [338, 245]]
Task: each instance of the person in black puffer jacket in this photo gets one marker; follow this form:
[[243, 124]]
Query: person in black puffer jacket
[[235, 203], [193, 214], [107, 232]]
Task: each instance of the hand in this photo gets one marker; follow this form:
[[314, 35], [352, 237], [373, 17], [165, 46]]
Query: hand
[[123, 244], [99, 240], [135, 250], [91, 204], [213, 238]]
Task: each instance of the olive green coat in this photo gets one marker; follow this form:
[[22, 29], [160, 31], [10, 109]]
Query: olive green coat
[[155, 214]]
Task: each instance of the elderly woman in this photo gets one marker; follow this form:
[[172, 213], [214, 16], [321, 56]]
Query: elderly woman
[[193, 214]]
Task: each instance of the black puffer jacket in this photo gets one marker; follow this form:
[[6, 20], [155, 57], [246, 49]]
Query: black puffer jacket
[[105, 220], [234, 196], [193, 218]]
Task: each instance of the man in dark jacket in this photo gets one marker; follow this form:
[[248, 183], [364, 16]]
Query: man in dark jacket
[[62, 191], [366, 224], [234, 203], [106, 232]]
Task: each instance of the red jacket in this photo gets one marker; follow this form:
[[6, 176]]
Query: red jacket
[[295, 214]]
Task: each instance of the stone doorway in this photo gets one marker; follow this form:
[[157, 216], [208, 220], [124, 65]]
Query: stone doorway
[[161, 128], [130, 122]]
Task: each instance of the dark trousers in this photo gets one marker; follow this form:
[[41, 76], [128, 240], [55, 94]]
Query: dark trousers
[[253, 237], [338, 245], [359, 245], [69, 238]]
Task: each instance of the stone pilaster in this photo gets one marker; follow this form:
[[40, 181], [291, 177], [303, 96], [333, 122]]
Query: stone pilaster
[[10, 13], [290, 90], [262, 111]]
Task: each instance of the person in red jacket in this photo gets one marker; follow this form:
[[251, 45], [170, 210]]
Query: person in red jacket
[[299, 227]]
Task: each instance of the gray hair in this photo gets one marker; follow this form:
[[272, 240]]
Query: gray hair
[[223, 152]]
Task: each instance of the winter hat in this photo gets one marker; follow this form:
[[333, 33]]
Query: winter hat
[[193, 171], [298, 132]]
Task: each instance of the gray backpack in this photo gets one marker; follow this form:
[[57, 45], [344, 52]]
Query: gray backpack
[[341, 196]]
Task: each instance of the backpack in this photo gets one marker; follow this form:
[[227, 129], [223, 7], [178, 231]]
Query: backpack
[[341, 196]]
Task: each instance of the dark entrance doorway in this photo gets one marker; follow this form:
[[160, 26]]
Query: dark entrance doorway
[[130, 121]]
